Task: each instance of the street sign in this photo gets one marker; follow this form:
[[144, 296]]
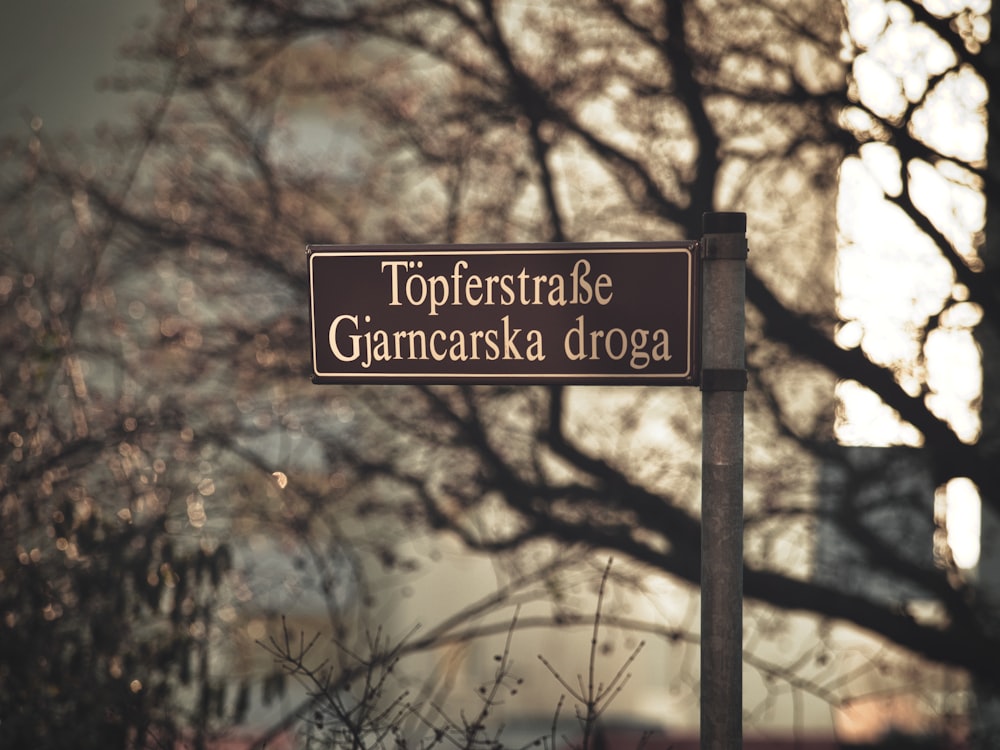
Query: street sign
[[516, 313], [668, 313]]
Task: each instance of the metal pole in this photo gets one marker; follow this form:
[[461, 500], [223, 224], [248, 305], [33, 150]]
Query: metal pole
[[723, 382]]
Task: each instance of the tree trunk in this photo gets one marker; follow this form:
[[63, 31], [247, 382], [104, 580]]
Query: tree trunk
[[987, 716]]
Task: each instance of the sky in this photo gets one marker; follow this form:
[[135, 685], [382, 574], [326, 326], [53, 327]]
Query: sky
[[877, 243], [51, 54]]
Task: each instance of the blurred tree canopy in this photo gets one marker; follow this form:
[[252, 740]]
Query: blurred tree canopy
[[155, 389]]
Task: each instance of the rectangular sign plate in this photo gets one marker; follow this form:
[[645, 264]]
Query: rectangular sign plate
[[531, 313]]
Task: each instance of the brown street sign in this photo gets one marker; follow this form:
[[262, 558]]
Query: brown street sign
[[541, 313]]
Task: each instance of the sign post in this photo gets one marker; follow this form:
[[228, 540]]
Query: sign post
[[723, 382], [667, 313]]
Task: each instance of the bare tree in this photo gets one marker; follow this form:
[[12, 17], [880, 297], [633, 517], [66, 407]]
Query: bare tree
[[179, 326]]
